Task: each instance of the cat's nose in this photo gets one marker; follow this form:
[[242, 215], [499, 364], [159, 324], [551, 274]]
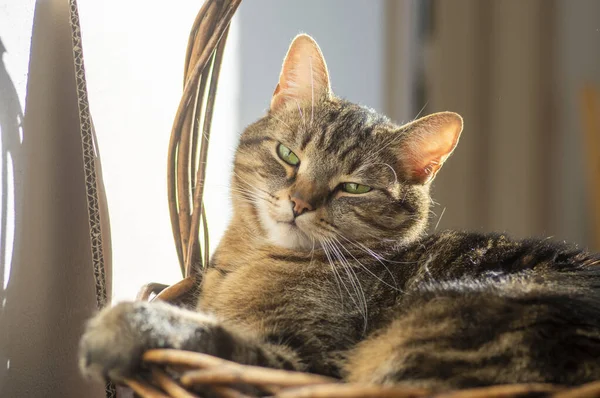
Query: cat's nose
[[299, 205]]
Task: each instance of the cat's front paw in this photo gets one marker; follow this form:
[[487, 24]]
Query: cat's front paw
[[113, 342], [116, 338]]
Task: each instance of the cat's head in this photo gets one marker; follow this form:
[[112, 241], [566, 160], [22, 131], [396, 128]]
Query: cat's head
[[317, 168]]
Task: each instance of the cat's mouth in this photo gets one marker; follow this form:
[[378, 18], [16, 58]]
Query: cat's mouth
[[284, 230], [291, 235]]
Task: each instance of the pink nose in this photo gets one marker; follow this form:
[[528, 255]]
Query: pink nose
[[299, 206]]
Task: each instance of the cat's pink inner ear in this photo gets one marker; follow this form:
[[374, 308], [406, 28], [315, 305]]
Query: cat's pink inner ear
[[304, 75], [429, 142]]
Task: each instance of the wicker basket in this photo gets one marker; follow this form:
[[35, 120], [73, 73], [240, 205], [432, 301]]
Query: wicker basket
[[177, 374]]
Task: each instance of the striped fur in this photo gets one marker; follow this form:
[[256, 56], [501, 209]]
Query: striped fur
[[352, 287]]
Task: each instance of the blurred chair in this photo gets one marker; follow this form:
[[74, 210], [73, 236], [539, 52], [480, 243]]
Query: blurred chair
[[590, 97]]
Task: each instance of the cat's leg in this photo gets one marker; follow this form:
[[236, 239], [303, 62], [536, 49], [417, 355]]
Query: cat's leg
[[116, 338]]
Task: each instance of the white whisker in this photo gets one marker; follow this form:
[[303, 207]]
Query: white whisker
[[421, 111], [439, 219], [361, 300], [282, 122], [376, 257], [312, 92], [337, 278], [300, 112]]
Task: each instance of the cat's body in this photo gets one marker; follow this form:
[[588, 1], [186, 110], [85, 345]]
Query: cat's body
[[445, 311], [325, 266]]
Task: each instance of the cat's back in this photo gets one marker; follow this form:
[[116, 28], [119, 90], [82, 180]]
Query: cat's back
[[451, 255]]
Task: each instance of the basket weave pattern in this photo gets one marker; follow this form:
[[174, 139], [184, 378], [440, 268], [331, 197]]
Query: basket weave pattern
[[177, 374]]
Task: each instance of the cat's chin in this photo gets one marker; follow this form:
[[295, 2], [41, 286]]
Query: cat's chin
[[289, 236], [284, 234]]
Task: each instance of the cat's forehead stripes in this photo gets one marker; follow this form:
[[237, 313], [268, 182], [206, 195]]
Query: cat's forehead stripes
[[340, 137], [345, 126]]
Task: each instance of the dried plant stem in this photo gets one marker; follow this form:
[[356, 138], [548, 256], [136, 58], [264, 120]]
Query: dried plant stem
[[171, 387], [174, 292], [144, 390], [226, 392], [193, 34], [149, 289], [591, 390], [251, 375], [502, 391], [201, 173], [352, 391], [191, 87], [185, 165]]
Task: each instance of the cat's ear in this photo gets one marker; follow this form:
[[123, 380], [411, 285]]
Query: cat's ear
[[304, 76], [426, 144]]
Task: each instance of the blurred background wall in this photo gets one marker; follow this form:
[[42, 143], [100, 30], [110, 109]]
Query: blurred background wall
[[515, 71]]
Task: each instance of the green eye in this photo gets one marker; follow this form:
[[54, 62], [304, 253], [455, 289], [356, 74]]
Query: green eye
[[352, 187], [287, 155]]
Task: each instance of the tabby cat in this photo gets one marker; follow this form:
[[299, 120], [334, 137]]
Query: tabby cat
[[326, 267]]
